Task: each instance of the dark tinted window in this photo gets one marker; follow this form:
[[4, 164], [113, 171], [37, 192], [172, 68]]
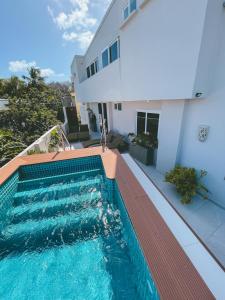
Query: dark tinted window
[[88, 72], [105, 58], [140, 122], [119, 106], [153, 124], [113, 52], [96, 66], [92, 69], [133, 5], [125, 13]]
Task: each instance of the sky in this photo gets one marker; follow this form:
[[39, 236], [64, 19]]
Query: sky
[[46, 34]]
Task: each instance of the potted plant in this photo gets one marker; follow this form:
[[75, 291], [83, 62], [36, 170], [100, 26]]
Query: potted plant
[[143, 148], [188, 183]]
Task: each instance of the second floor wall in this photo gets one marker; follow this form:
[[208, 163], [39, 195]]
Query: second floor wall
[[159, 47]]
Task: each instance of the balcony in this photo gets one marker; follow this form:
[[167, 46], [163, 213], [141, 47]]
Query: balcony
[[103, 86]]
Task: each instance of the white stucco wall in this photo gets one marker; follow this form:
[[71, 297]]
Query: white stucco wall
[[209, 155], [159, 53], [160, 49], [170, 122]]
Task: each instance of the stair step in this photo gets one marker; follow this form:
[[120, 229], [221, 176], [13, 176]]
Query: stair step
[[37, 183], [41, 210], [56, 192], [37, 235]]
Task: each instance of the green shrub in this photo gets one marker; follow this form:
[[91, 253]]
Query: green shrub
[[37, 151], [146, 140], [55, 140], [187, 182]]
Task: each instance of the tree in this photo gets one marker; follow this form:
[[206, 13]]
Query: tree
[[34, 107], [34, 79], [10, 146]]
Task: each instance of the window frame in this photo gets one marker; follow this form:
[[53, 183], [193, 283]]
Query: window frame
[[128, 8], [88, 72], [119, 105], [107, 48], [117, 48], [146, 112], [131, 11]]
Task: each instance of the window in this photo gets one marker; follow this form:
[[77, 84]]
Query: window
[[88, 72], [118, 106], [148, 123], [92, 69], [133, 5], [96, 66], [125, 12], [113, 52], [105, 58], [141, 122]]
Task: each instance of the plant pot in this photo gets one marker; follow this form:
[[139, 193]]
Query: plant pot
[[144, 155]]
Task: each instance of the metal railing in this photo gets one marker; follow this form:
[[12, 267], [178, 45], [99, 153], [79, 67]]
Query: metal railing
[[64, 139], [103, 136]]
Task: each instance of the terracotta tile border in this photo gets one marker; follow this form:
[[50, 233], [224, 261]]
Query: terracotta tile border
[[173, 273]]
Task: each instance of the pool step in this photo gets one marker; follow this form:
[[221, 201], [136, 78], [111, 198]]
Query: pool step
[[53, 208], [56, 192], [37, 235], [37, 183]]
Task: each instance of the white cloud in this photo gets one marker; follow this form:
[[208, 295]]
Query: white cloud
[[78, 20], [72, 36], [47, 72], [20, 65], [77, 17], [84, 38]]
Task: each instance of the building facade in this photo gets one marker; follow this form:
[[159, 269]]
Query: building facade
[[161, 64]]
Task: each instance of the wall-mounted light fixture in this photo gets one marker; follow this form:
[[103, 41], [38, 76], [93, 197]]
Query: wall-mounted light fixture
[[198, 95]]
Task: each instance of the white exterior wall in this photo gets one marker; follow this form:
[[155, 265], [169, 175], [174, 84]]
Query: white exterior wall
[[170, 121], [159, 53], [209, 155], [169, 50]]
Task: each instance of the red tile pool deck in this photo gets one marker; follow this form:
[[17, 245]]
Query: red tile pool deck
[[174, 274]]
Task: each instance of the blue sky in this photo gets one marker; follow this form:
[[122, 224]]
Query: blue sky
[[46, 34]]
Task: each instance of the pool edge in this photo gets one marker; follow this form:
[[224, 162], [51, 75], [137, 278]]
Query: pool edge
[[173, 273]]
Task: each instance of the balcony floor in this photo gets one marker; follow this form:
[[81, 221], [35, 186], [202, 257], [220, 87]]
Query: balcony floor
[[205, 218]]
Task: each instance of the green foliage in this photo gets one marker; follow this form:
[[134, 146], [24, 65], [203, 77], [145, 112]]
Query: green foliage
[[146, 140], [187, 182], [34, 106], [37, 151], [55, 140], [10, 146]]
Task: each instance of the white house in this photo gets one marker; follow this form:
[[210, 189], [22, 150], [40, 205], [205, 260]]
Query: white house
[[161, 63]]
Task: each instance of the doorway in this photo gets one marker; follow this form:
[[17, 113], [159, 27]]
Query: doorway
[[102, 111]]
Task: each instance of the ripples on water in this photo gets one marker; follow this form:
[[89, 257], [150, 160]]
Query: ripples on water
[[65, 240]]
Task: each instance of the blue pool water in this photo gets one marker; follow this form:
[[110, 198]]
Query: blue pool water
[[65, 234]]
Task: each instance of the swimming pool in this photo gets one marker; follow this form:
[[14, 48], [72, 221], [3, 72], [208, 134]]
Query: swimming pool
[[66, 234]]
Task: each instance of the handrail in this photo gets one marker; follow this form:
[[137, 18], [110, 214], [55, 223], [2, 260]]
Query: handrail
[[103, 136], [63, 136]]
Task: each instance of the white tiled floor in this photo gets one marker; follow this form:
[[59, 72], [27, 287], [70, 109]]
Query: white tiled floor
[[207, 267], [204, 217]]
